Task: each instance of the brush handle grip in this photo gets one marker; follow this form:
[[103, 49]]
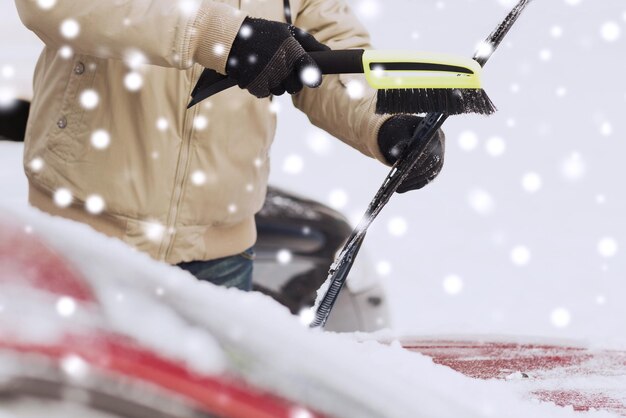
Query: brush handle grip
[[347, 61], [343, 61]]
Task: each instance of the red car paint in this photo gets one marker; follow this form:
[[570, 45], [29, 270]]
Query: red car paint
[[538, 362], [118, 356]]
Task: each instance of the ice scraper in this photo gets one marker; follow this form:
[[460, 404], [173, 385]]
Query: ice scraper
[[406, 81]]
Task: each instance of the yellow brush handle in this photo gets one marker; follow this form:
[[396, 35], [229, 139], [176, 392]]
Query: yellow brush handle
[[415, 70]]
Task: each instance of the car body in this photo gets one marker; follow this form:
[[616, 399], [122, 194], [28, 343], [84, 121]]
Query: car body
[[57, 364]]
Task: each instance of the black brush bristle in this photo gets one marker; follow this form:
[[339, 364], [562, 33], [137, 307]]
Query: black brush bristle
[[448, 101]]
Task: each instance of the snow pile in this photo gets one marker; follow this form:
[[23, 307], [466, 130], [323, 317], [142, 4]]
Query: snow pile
[[253, 336]]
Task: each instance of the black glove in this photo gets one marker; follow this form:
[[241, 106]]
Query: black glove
[[393, 139], [270, 57]]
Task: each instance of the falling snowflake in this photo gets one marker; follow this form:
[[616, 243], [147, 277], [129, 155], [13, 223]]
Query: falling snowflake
[[66, 52], [397, 226], [94, 204], [299, 412], [284, 256], [545, 54], [293, 164], [368, 9], [133, 81], [600, 199], [600, 299], [356, 89], [66, 306], [46, 4], [274, 107], [188, 7], [89, 99], [561, 92], [200, 122], [7, 96], [135, 59], [573, 2], [515, 88], [74, 366], [219, 49], [245, 31], [100, 139], [468, 140], [481, 201], [70, 28], [520, 255], [338, 199], [198, 177], [573, 167], [383, 268], [63, 197], [310, 76], [452, 284], [483, 49], [8, 72], [610, 31], [162, 124], [319, 143], [232, 208], [154, 231], [607, 247], [560, 317], [531, 182], [556, 31], [606, 129], [36, 164]]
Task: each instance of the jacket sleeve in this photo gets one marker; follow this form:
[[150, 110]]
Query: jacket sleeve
[[168, 33], [344, 104]]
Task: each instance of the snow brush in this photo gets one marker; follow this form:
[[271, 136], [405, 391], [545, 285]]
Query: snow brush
[[406, 81], [422, 137]]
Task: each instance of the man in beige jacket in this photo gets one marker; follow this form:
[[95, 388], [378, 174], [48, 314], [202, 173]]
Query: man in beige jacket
[[110, 143]]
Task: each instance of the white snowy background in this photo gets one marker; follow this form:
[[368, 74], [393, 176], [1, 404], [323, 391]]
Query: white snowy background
[[524, 230]]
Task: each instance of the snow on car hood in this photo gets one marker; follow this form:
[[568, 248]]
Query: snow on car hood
[[212, 329]]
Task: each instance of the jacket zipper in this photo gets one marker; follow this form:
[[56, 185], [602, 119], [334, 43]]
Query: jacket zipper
[[179, 179]]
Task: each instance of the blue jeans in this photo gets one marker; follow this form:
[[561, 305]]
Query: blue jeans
[[233, 271]]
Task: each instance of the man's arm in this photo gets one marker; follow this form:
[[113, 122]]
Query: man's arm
[[330, 106], [167, 32]]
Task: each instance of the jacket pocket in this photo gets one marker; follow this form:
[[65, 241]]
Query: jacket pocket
[[69, 140]]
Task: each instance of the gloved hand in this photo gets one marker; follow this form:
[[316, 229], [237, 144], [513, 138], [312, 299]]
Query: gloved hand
[[270, 57], [393, 139]]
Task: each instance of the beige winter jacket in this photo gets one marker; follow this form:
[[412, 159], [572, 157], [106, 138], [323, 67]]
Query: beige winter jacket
[[111, 144]]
